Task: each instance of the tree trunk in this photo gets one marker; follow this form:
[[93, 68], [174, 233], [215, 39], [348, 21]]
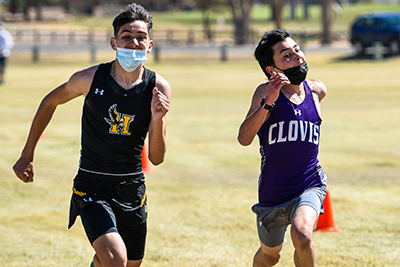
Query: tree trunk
[[241, 17], [327, 21], [293, 6], [207, 25], [206, 7], [306, 5], [277, 7], [37, 6], [25, 9]]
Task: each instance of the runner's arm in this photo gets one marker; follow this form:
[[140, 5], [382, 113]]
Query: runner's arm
[[76, 86], [158, 125]]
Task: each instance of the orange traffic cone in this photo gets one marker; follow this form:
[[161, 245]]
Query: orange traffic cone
[[145, 161], [326, 222]]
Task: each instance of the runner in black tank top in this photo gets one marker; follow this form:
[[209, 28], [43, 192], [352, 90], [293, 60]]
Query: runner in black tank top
[[124, 103], [115, 122], [118, 120]]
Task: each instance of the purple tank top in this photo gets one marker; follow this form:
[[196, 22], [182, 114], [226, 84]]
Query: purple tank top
[[289, 142]]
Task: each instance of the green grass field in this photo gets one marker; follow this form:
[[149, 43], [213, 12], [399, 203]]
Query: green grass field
[[200, 197]]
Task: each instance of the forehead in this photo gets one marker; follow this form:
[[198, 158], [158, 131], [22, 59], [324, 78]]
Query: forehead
[[133, 27], [288, 43]]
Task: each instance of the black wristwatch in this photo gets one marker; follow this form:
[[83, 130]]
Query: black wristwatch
[[266, 106]]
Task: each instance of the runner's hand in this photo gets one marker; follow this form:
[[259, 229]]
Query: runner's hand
[[276, 81], [24, 170], [159, 104]]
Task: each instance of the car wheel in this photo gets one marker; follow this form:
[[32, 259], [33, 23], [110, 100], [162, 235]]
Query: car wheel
[[394, 47], [359, 46]]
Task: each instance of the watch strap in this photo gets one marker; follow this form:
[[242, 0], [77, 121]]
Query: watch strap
[[266, 106]]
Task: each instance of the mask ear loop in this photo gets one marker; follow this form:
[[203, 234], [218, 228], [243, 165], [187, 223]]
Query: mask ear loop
[[276, 67]]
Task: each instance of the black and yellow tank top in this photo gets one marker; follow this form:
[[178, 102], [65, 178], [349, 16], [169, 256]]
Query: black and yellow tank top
[[115, 123]]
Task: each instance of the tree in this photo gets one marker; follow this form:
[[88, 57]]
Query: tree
[[206, 7], [277, 7], [78, 6], [293, 7], [306, 4], [25, 9], [37, 4], [326, 21], [241, 19]]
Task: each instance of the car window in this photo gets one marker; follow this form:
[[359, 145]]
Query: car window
[[373, 22], [370, 22], [361, 23], [395, 21], [376, 23]]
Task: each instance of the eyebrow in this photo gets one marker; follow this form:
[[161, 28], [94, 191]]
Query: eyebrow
[[287, 48], [139, 31]]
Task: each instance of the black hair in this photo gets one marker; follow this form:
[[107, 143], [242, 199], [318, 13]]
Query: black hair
[[264, 52], [131, 13]]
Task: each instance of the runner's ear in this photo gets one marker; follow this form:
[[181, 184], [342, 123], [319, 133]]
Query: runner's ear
[[113, 44]]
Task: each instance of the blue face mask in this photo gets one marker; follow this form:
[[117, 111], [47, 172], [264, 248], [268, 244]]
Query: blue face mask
[[130, 59]]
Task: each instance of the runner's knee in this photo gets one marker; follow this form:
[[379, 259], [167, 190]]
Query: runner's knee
[[267, 256], [270, 259], [301, 237], [110, 251]]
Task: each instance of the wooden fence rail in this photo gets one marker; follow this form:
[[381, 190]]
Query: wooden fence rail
[[221, 41], [168, 37]]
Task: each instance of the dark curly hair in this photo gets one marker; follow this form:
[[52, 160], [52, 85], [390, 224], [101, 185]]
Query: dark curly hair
[[264, 52], [131, 13]]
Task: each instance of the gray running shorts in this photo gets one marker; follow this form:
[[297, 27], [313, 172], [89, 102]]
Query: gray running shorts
[[272, 222]]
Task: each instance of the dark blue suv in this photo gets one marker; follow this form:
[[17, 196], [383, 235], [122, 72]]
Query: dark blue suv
[[381, 27]]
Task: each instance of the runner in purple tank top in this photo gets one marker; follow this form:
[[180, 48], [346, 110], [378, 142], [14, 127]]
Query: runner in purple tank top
[[285, 113]]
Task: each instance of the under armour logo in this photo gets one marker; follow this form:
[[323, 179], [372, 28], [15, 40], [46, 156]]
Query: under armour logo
[[97, 91], [88, 199], [297, 112]]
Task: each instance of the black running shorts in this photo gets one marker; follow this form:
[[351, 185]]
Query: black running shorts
[[112, 204]]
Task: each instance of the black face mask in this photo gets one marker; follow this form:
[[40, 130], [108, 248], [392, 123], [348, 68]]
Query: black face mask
[[296, 75]]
